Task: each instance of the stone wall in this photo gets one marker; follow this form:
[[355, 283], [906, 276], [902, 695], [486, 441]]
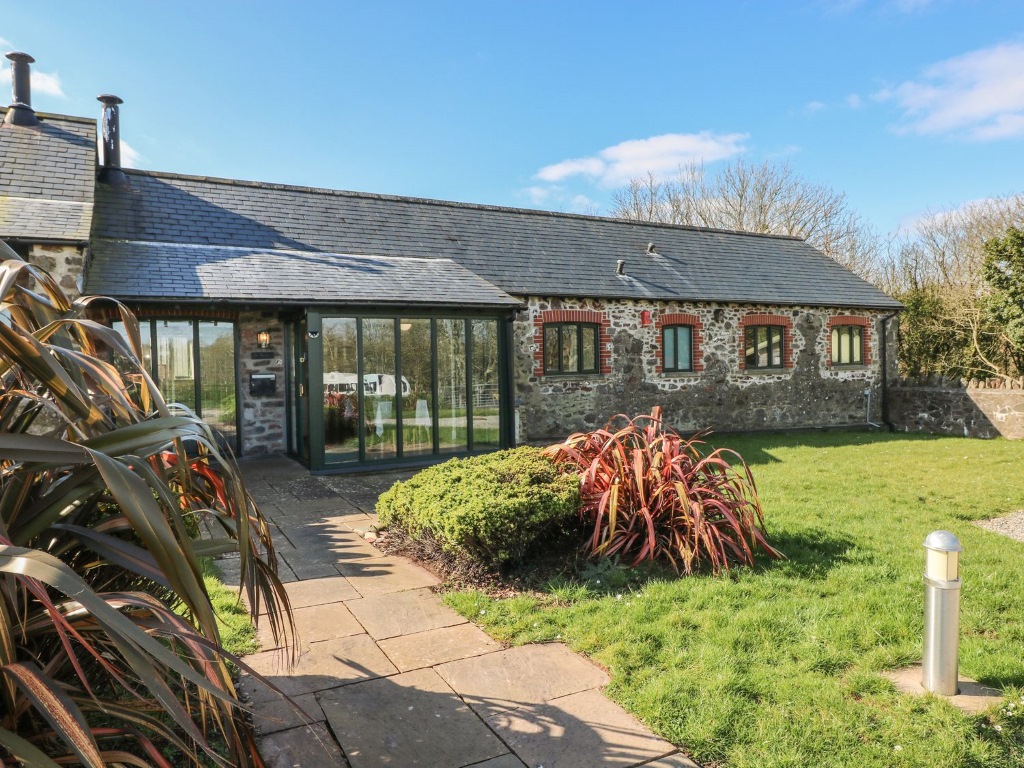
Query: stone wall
[[986, 410], [263, 416], [720, 393], [65, 263]]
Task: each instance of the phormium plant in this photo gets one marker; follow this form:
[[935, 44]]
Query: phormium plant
[[109, 648], [649, 493]]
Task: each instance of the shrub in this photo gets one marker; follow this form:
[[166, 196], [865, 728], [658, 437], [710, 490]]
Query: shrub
[[494, 508], [111, 652], [647, 493]]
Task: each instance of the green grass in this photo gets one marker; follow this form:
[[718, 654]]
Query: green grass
[[778, 665], [237, 633]]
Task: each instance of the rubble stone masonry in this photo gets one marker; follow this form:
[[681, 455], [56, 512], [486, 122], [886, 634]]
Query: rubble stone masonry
[[263, 416], [720, 392], [65, 263]]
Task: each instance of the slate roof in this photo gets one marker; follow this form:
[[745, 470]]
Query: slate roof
[[522, 252], [264, 275], [48, 179]]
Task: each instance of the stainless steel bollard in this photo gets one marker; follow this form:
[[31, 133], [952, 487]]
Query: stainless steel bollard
[[941, 613]]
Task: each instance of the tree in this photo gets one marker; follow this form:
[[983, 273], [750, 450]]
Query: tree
[[940, 270], [764, 198], [1004, 272]]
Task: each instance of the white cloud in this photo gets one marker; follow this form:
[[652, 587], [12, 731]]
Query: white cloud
[[660, 155], [42, 82], [130, 157], [853, 101], [910, 6], [840, 7], [583, 204], [538, 195], [978, 95], [814, 106], [6, 44]]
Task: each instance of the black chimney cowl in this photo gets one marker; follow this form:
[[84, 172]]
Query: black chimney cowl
[[20, 111], [110, 142]]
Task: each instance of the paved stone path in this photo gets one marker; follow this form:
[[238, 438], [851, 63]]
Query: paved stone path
[[390, 676]]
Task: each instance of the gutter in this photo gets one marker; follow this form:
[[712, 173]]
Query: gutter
[[885, 371]]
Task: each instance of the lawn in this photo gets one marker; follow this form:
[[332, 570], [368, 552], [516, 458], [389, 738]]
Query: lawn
[[778, 665], [237, 633]]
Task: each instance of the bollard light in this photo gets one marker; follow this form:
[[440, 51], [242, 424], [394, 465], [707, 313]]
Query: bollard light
[[941, 613]]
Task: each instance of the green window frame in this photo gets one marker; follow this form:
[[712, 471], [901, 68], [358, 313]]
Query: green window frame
[[571, 348], [764, 346], [677, 348], [202, 392], [847, 345]]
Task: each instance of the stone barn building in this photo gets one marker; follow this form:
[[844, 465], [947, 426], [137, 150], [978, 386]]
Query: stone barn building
[[356, 331]]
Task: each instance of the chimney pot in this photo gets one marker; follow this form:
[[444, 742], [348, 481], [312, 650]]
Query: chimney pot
[[110, 142], [20, 111]]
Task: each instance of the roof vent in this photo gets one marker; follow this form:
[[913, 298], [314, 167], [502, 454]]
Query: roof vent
[[110, 142], [620, 267], [650, 249], [20, 112]]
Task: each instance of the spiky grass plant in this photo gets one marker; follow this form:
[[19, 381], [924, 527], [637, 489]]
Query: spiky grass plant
[[650, 494], [109, 647]]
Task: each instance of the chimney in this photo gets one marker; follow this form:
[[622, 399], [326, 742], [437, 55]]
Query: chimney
[[110, 144], [20, 112]]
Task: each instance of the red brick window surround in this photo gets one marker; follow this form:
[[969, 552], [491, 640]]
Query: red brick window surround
[[762, 319], [838, 322], [581, 316], [670, 319]]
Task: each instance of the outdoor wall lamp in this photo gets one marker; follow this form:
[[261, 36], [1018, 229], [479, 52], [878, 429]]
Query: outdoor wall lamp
[[263, 338]]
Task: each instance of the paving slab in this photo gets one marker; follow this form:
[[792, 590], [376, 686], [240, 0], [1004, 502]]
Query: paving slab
[[306, 488], [306, 568], [437, 646], [311, 747], [529, 674], [385, 575], [333, 589], [345, 521], [583, 730], [412, 720], [277, 714], [324, 665], [314, 624], [972, 697], [403, 613], [505, 761]]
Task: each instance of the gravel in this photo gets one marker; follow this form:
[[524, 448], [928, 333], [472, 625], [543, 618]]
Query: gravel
[[1011, 525]]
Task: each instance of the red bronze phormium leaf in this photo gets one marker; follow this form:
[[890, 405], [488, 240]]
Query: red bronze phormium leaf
[[650, 494]]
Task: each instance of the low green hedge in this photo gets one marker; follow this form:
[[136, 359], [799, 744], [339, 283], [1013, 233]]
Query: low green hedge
[[493, 508]]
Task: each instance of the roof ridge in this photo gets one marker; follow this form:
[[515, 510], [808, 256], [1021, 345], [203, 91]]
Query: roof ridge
[[57, 116], [449, 203]]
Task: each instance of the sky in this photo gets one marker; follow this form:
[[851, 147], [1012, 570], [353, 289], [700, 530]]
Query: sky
[[908, 107]]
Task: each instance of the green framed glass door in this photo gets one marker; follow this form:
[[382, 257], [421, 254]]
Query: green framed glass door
[[391, 389]]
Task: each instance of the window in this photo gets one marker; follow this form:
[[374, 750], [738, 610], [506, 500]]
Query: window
[[194, 363], [677, 347], [570, 348], [763, 346], [847, 345]]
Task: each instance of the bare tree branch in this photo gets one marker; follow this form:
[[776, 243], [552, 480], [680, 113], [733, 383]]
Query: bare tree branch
[[763, 198]]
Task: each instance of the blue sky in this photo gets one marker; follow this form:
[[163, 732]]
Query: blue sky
[[904, 105]]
